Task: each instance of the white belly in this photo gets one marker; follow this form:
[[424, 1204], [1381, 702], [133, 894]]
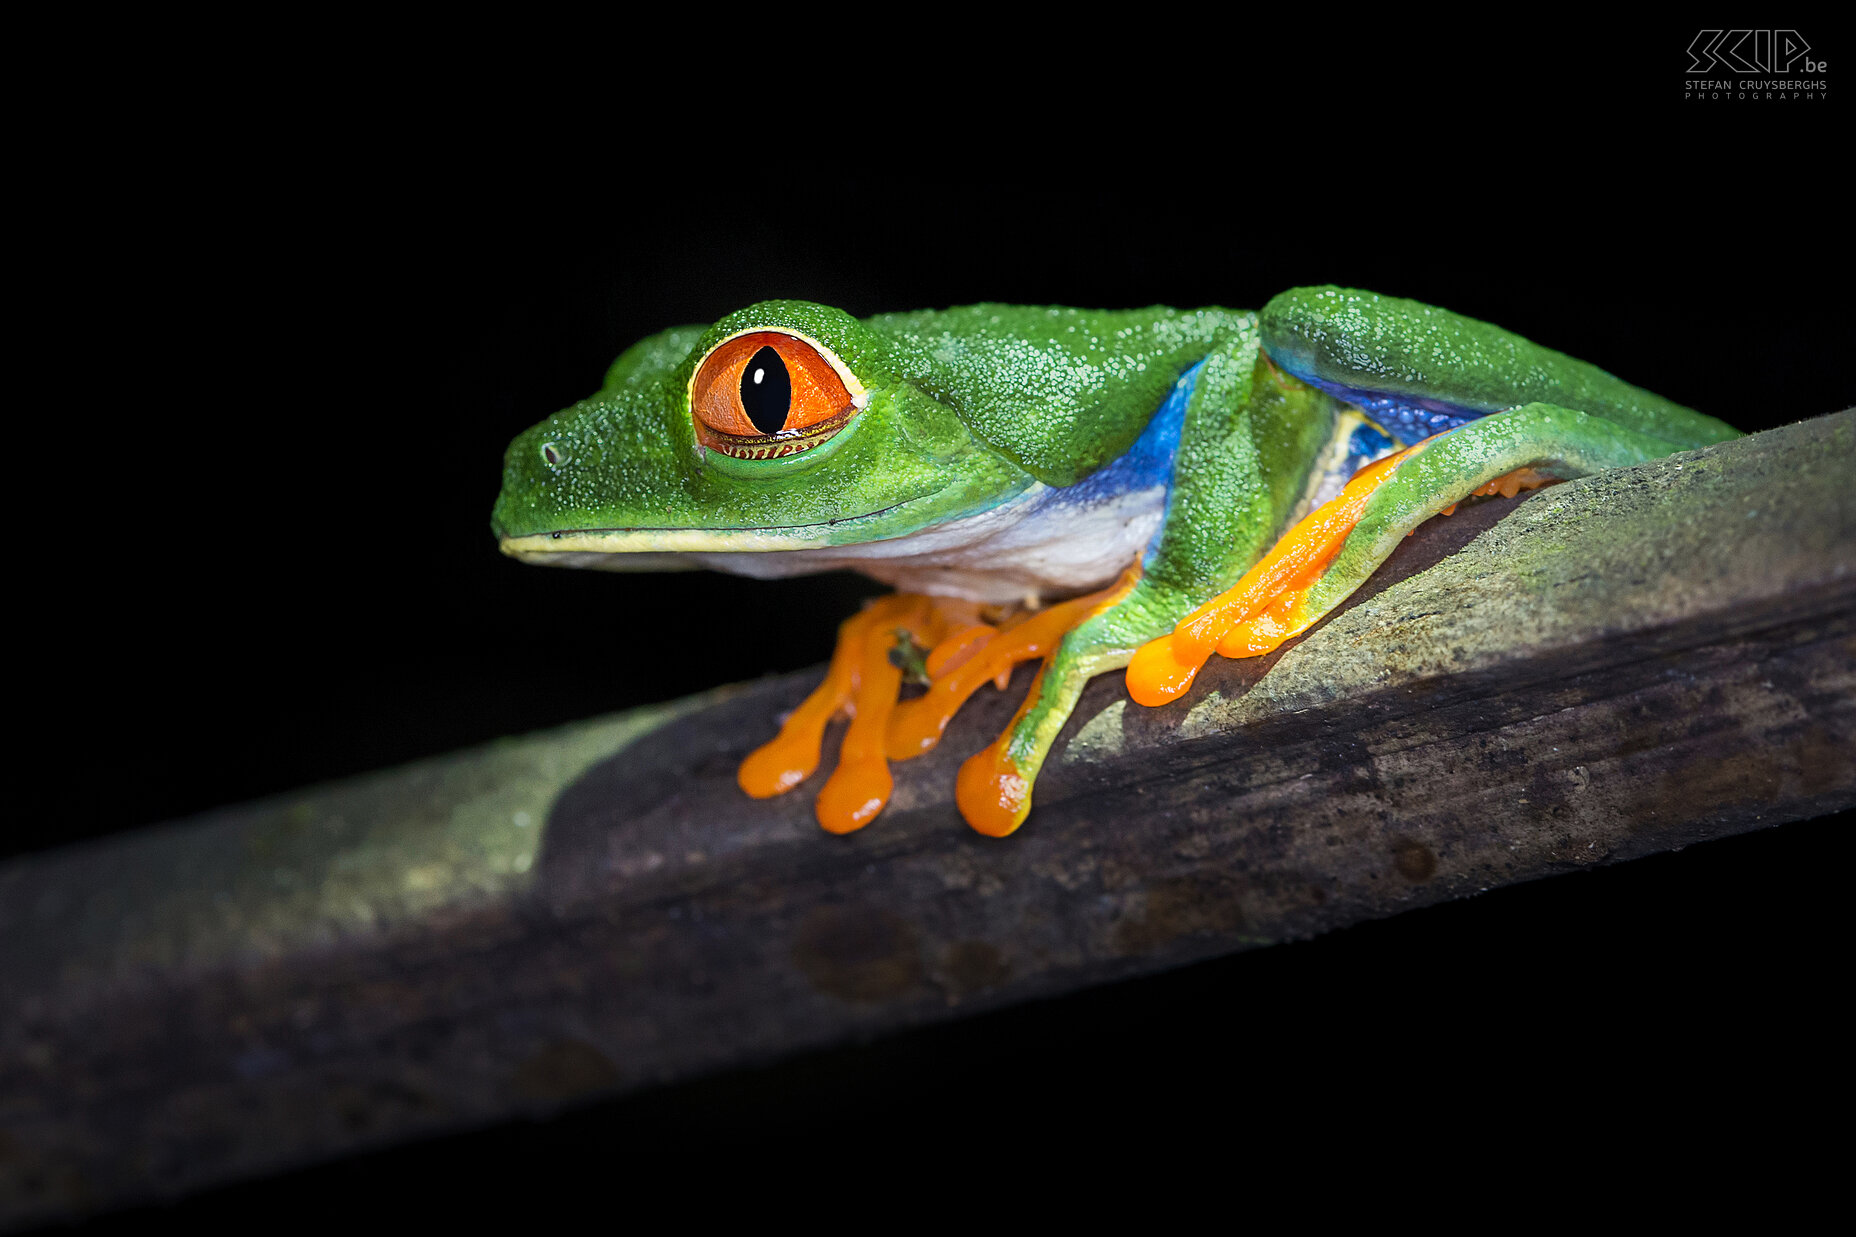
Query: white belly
[[1042, 544]]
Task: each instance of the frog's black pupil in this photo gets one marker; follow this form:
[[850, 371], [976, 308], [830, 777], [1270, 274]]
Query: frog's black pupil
[[766, 391]]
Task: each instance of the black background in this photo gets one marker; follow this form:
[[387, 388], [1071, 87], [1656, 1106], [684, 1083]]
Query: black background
[[286, 341]]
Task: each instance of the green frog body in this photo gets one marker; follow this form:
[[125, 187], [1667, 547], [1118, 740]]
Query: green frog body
[[1097, 490]]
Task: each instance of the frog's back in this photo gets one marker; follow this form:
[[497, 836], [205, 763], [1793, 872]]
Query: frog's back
[[1062, 391]]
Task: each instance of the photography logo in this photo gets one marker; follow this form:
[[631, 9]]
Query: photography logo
[[1754, 66]]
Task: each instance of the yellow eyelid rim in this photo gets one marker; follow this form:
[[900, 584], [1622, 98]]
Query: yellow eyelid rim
[[860, 398]]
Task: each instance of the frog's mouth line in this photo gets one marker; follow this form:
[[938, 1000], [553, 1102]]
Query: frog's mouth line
[[578, 542], [540, 547]]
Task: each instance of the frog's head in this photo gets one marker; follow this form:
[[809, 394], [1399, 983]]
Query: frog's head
[[781, 427]]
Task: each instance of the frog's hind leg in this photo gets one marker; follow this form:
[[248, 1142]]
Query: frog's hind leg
[[1331, 552]]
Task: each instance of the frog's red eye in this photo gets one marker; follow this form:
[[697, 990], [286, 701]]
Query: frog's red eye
[[768, 394]]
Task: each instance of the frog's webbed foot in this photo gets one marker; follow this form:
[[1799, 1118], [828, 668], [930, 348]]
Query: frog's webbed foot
[[865, 677], [1320, 562], [863, 681]]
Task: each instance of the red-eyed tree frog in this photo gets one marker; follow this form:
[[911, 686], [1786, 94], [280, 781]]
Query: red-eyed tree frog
[[1099, 490]]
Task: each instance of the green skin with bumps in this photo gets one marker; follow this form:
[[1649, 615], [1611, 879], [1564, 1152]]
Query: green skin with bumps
[[971, 407]]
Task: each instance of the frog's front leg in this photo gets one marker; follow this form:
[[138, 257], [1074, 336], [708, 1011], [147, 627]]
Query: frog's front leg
[[863, 681], [994, 787], [1248, 443], [963, 655]]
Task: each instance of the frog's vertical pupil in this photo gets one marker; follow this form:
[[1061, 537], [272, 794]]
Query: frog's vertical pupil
[[766, 391]]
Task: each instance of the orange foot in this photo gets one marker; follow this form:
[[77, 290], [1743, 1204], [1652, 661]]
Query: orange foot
[[864, 679]]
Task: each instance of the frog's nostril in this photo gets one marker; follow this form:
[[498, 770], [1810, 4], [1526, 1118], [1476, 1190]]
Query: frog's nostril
[[553, 454]]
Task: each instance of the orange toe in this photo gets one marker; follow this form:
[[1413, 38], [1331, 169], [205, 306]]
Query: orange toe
[[1159, 674]]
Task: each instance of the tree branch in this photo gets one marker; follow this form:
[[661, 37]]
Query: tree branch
[[1626, 664]]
